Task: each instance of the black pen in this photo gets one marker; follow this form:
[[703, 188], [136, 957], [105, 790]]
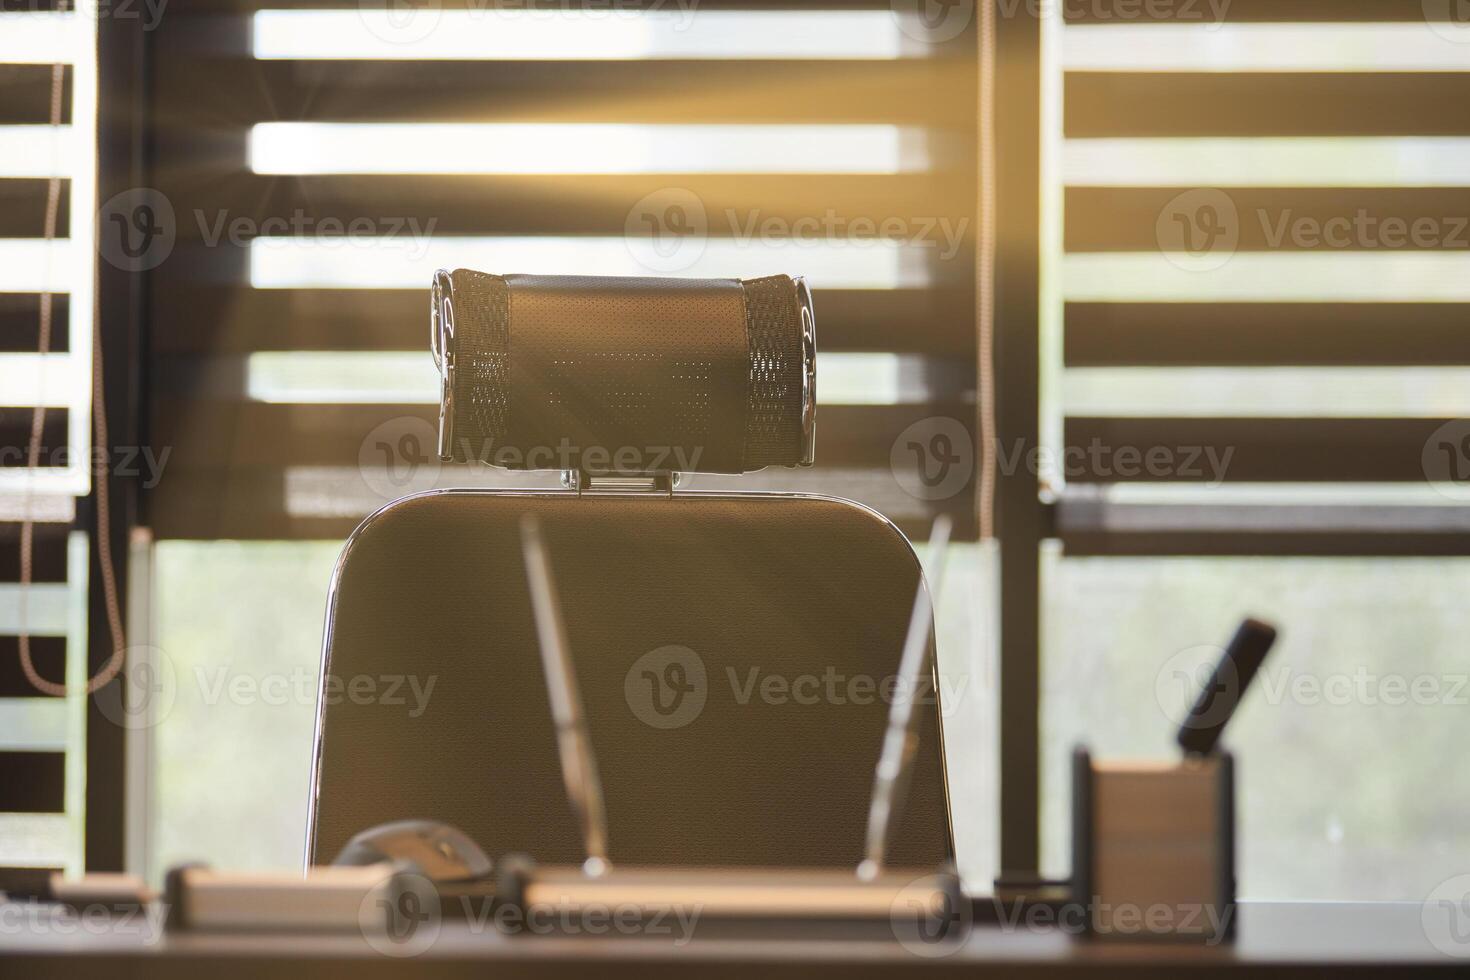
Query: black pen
[[1216, 704]]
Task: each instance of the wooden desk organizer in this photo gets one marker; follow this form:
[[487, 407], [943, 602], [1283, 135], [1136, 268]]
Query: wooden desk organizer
[[1153, 846]]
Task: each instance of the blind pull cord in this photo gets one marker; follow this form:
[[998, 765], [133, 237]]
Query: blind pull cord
[[99, 458]]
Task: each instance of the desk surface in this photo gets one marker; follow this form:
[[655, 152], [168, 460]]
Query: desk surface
[[1294, 939]]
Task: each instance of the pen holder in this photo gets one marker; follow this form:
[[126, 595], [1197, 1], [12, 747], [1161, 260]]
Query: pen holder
[[1153, 847]]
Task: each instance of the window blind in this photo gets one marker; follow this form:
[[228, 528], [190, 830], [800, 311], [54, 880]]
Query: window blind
[[1258, 273], [320, 162], [42, 738]]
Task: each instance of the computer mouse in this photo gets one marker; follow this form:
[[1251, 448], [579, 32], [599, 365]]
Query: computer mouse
[[435, 850]]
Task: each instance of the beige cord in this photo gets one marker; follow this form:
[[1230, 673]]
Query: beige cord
[[99, 471], [985, 273]]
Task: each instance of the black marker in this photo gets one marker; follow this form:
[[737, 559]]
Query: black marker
[[1232, 675]]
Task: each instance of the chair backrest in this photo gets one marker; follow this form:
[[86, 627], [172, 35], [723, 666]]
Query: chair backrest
[[736, 654]]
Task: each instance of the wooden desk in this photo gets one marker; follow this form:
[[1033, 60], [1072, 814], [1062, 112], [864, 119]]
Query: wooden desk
[[1281, 939]]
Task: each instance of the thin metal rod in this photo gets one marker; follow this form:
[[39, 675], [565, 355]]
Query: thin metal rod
[[901, 741], [578, 764]]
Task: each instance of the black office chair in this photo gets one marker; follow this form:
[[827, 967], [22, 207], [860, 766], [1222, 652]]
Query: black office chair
[[681, 606]]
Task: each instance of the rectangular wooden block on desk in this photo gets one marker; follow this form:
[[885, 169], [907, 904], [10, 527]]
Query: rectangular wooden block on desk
[[1153, 846]]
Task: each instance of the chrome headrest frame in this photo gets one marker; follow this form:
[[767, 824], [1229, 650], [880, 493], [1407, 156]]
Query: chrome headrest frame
[[808, 372], [441, 344]]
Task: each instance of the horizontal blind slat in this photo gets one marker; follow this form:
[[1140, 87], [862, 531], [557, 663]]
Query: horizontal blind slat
[[745, 206], [23, 207], [1265, 334], [1103, 104], [1129, 219], [25, 95], [221, 320], [571, 91], [220, 435], [1235, 11], [1258, 450], [268, 504]]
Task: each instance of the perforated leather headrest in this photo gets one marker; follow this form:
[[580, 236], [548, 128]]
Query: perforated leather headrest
[[624, 375]]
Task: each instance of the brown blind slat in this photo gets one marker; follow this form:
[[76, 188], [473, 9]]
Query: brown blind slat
[[656, 91], [1102, 104], [735, 206], [34, 782], [23, 208], [229, 321], [207, 435], [1251, 450], [48, 653], [1243, 11], [1269, 219], [20, 322], [25, 95], [1266, 334]]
